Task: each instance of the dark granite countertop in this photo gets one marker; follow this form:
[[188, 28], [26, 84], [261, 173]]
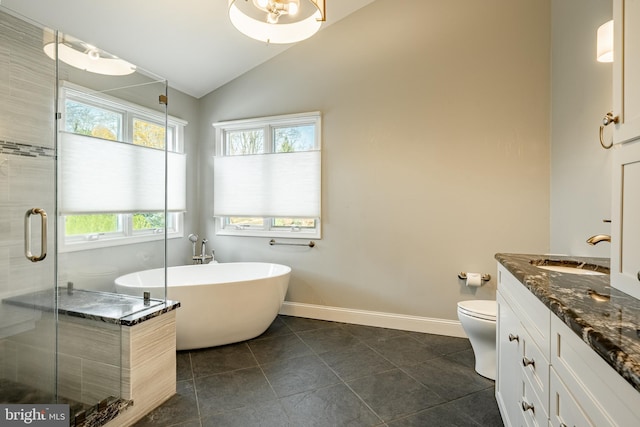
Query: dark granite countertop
[[101, 306], [605, 318]]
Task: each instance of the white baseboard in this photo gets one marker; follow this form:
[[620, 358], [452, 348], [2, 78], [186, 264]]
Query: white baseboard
[[404, 322]]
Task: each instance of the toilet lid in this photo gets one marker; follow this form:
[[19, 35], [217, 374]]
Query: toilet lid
[[483, 309]]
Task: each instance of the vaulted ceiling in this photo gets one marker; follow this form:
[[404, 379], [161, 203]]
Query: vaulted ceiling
[[191, 43]]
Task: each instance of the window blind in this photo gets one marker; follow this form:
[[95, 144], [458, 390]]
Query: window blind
[[101, 176], [268, 185]]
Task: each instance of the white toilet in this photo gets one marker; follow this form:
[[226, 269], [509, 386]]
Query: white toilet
[[478, 319]]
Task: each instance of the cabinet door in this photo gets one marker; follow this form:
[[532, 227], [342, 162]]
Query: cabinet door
[[509, 379], [625, 221], [626, 70], [565, 411], [602, 394]]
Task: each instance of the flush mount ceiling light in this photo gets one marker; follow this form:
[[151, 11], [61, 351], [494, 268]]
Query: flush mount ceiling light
[[81, 55], [277, 21], [604, 45]]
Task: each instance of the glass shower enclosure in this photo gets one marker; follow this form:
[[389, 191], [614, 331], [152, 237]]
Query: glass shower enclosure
[[84, 148]]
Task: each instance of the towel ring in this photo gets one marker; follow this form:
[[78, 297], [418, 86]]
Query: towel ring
[[606, 121]]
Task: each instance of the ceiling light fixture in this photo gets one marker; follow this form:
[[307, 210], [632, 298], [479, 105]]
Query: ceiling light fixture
[[277, 21], [604, 45], [81, 55]]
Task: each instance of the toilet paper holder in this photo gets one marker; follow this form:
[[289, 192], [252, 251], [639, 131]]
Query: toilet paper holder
[[485, 277]]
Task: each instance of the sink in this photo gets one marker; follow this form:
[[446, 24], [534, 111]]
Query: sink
[[571, 270], [571, 267]]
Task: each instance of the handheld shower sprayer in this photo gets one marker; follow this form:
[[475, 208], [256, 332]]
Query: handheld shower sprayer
[[193, 238]]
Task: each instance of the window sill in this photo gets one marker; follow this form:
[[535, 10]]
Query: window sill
[[315, 234], [115, 241]]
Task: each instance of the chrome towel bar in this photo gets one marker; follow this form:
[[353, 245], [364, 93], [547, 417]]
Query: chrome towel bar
[[272, 242]]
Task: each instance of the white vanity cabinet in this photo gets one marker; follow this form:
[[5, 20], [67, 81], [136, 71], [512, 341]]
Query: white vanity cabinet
[[546, 375], [626, 70], [625, 211], [522, 380], [625, 208]]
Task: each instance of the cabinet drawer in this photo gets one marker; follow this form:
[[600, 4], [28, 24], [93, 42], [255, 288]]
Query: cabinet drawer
[[532, 407], [533, 314], [535, 368], [564, 410], [604, 396]]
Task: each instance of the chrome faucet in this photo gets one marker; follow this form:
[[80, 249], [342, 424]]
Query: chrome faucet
[[594, 240], [203, 258]]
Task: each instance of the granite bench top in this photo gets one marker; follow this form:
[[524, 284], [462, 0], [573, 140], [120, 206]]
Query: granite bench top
[[605, 318], [105, 307]]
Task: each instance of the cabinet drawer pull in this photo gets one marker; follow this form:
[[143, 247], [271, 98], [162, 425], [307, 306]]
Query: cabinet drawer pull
[[528, 362], [527, 406], [517, 338], [563, 425]]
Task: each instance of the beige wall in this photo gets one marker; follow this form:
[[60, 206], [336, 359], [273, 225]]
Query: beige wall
[[435, 150], [581, 95]]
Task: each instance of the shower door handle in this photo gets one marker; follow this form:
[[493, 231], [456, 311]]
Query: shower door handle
[[27, 234]]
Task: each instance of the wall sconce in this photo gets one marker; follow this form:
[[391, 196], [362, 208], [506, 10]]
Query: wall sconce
[[277, 21], [604, 45]]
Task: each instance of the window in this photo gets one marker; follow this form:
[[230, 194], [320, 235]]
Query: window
[[267, 176], [112, 164]]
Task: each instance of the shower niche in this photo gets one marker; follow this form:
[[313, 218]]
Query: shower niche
[[85, 142]]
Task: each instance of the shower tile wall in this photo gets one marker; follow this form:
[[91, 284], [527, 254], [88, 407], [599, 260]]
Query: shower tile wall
[[89, 359], [27, 89], [27, 85]]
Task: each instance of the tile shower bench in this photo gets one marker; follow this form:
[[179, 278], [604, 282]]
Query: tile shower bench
[[110, 345]]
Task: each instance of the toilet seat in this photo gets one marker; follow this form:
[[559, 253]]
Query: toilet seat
[[480, 309]]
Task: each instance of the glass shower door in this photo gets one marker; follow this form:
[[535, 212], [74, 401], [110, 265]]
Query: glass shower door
[[28, 368], [84, 157]]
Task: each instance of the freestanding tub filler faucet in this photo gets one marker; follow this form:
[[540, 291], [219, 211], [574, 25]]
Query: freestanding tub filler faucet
[[203, 258]]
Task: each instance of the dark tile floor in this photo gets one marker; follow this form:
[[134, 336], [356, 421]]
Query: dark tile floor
[[304, 372]]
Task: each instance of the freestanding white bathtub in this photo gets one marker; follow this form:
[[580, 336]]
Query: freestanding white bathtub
[[220, 303]]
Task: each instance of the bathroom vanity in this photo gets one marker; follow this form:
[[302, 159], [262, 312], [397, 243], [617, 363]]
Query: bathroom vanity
[[568, 345]]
